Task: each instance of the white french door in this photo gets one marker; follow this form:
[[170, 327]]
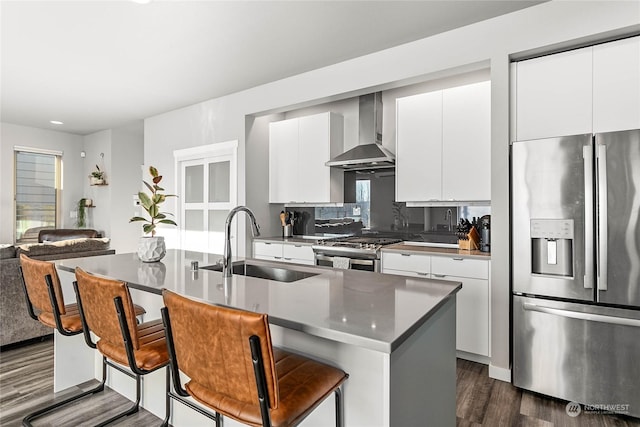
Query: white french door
[[208, 191]]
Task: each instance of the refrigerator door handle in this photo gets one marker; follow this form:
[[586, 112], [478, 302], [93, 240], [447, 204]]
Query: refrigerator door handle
[[587, 155], [602, 218], [614, 320]]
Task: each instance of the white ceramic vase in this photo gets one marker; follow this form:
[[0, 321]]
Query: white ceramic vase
[[151, 249]]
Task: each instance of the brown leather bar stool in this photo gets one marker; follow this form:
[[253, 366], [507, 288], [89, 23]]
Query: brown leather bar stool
[[234, 369], [45, 303], [106, 309]]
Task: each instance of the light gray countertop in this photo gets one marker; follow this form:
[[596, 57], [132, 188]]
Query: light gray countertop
[[405, 247], [370, 310], [297, 239]]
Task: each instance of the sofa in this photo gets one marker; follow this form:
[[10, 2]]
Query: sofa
[[15, 324]]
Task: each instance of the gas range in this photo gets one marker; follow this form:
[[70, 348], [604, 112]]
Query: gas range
[[354, 246]]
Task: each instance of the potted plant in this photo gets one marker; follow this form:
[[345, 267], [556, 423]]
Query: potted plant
[[152, 248], [81, 219], [97, 177]]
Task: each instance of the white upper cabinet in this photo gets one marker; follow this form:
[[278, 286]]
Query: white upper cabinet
[[616, 85], [554, 95], [466, 147], [298, 150], [443, 145], [419, 147], [589, 90], [283, 159]]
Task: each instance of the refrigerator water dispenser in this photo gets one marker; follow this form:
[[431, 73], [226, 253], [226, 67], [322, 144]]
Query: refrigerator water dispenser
[[552, 247]]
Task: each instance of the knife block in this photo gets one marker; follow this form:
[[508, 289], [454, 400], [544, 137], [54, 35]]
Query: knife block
[[472, 241]]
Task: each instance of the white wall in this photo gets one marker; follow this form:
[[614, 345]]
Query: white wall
[[94, 145], [127, 145], [72, 179], [541, 28], [119, 153]]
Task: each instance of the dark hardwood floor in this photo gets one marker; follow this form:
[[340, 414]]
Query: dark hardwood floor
[[26, 382]]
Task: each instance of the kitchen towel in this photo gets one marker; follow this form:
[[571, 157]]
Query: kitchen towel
[[341, 262]]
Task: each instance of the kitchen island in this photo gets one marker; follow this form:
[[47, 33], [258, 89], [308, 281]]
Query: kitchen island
[[394, 335]]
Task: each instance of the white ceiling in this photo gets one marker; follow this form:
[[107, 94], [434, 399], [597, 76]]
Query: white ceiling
[[101, 64]]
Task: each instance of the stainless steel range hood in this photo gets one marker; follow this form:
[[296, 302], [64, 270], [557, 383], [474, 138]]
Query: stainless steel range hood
[[369, 153]]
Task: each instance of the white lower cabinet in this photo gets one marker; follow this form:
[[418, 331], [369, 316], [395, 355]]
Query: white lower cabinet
[[472, 301], [406, 264], [472, 309], [283, 252]]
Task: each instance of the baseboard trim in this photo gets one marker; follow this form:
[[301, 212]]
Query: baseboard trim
[[498, 373], [472, 357]]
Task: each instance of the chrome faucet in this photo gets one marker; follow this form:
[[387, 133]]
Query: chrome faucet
[[255, 231], [449, 216]]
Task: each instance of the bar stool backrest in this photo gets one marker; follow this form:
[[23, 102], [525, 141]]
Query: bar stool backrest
[[97, 295], [212, 348], [34, 272]]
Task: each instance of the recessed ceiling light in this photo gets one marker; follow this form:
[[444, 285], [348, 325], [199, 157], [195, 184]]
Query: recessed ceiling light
[[55, 122]]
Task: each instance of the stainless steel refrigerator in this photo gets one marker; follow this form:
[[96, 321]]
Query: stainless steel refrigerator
[[576, 268]]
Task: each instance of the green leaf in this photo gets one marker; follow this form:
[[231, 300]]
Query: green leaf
[[149, 186], [167, 221], [153, 210], [160, 215], [153, 171], [137, 218], [148, 228], [145, 200]]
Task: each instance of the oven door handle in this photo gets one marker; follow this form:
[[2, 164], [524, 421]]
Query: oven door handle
[[367, 262]]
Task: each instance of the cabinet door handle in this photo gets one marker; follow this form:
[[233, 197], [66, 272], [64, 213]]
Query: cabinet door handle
[[458, 259], [405, 254], [277, 257], [266, 243], [287, 259], [440, 275], [297, 246], [421, 274]]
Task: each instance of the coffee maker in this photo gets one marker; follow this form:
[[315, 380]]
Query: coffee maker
[[485, 233]]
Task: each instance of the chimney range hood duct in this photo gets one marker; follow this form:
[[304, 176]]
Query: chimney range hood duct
[[369, 154]]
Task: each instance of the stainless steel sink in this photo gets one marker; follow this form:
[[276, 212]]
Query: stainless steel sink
[[264, 272]]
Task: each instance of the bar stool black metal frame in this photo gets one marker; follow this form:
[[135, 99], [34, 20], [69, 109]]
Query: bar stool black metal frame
[[26, 421], [135, 373], [180, 392], [260, 376]]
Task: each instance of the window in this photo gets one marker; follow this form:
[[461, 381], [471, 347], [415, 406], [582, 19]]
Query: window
[[37, 182], [363, 199]]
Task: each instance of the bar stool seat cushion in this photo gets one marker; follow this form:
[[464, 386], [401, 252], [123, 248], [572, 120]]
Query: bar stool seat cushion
[[302, 385], [153, 347], [70, 320]]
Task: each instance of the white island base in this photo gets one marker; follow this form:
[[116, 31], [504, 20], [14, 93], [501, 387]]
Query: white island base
[[412, 386]]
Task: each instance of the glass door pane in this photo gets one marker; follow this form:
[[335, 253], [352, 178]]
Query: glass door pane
[[194, 184], [219, 178]]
